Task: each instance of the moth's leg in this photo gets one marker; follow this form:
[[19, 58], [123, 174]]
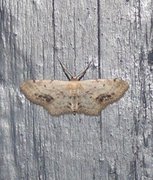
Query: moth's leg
[[80, 76], [66, 72]]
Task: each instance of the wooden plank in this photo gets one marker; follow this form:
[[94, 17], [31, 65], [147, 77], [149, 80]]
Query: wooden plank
[[117, 36]]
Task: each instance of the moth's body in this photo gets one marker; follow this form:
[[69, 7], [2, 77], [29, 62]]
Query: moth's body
[[84, 97]]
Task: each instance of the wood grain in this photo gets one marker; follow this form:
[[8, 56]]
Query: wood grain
[[118, 37]]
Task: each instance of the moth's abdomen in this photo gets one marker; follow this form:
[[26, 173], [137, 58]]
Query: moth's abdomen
[[73, 103]]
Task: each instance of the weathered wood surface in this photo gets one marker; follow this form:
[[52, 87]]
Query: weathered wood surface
[[117, 36]]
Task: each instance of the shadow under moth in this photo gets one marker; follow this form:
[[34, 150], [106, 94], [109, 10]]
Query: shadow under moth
[[87, 97]]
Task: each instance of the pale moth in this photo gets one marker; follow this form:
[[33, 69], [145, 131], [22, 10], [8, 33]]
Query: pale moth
[[87, 97]]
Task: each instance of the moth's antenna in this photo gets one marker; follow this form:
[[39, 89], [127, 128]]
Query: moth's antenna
[[66, 72], [80, 76]]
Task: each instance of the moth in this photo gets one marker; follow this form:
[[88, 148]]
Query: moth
[[87, 97]]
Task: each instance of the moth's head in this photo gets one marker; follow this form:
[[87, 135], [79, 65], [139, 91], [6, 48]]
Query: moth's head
[[71, 77], [74, 78]]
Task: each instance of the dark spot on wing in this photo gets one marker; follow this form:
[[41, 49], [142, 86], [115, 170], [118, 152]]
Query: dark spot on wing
[[103, 98], [115, 79], [44, 85], [44, 97]]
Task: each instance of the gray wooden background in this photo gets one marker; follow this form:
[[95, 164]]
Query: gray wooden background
[[118, 37]]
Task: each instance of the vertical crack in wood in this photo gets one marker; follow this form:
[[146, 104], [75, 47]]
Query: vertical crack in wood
[[54, 36], [74, 41], [99, 65], [98, 38]]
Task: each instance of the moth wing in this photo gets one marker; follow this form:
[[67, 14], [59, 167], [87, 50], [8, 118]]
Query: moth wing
[[47, 93], [97, 94]]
